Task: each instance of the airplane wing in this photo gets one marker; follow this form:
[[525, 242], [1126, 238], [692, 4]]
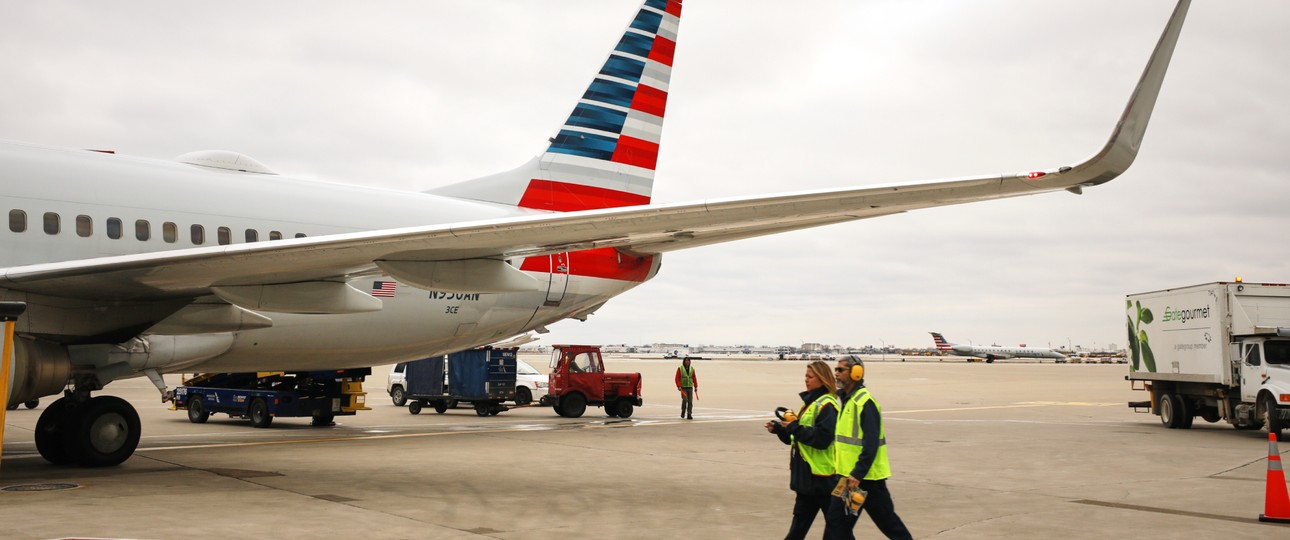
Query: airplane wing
[[639, 229]]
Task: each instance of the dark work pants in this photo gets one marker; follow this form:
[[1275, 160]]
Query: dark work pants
[[687, 402], [879, 506], [805, 508]]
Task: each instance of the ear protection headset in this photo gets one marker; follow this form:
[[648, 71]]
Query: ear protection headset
[[857, 367]]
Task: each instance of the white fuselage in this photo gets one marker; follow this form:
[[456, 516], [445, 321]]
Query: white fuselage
[[1005, 352], [152, 205]]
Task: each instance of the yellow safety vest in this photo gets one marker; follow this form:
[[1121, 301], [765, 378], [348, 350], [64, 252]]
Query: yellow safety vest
[[849, 439], [820, 460], [687, 376]]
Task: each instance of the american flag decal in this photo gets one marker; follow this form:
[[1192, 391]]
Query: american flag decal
[[384, 289]]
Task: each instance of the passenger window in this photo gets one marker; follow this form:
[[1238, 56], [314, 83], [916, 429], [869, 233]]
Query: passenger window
[[17, 220], [252, 235], [1252, 355], [199, 235], [225, 236], [51, 223], [169, 232], [142, 230], [114, 228], [275, 235], [84, 226]]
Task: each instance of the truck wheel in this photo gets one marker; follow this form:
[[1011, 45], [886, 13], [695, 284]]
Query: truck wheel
[[440, 407], [398, 397], [415, 407], [31, 404], [574, 405], [197, 410], [323, 420], [1271, 419], [625, 409], [523, 396], [481, 409], [258, 412], [1171, 410], [611, 408]]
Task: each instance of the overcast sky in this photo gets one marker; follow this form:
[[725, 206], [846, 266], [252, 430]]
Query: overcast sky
[[766, 97]]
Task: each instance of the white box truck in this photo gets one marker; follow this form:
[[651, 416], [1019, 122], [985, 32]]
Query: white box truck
[[1220, 351]]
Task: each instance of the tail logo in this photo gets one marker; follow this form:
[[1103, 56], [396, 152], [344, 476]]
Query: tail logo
[[605, 154]]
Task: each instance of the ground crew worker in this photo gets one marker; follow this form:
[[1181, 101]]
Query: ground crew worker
[[810, 461], [860, 455], [688, 384]]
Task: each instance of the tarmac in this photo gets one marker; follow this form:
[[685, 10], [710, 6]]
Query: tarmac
[[1003, 450]]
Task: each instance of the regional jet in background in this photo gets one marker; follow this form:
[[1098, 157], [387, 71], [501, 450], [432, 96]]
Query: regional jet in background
[[993, 352], [212, 262]]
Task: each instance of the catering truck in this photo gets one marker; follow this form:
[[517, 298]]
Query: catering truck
[[1220, 351]]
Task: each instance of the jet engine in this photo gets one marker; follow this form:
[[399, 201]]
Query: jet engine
[[40, 369]]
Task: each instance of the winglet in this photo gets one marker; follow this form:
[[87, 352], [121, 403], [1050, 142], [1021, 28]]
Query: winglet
[[1122, 148]]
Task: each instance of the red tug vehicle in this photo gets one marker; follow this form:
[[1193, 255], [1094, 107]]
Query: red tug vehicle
[[578, 379]]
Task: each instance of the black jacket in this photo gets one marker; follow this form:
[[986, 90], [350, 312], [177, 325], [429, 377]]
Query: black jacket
[[820, 435]]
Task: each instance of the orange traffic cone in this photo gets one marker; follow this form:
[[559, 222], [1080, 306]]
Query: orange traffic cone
[[1276, 501]]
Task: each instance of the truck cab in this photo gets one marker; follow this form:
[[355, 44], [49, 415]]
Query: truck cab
[[1264, 375], [578, 379]]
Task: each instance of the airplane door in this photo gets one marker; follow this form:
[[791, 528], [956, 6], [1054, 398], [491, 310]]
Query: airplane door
[[559, 279]]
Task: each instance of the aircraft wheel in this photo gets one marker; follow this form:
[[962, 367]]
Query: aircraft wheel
[[197, 410], [31, 404], [104, 431], [50, 430], [258, 412]]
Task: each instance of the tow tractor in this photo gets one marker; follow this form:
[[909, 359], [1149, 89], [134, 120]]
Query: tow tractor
[[578, 379], [261, 396]]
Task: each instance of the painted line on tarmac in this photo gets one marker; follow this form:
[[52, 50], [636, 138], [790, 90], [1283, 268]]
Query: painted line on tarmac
[[1171, 511], [1023, 405], [517, 429]]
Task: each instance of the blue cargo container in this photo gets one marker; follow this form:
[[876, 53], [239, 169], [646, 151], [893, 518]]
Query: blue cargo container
[[484, 377]]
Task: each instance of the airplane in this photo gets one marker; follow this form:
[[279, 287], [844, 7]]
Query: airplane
[[213, 262], [993, 352]]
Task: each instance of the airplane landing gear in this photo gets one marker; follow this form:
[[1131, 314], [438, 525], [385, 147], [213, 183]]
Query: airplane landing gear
[[97, 432]]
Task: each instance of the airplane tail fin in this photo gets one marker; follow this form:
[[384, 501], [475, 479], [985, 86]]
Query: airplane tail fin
[[941, 343], [605, 152]]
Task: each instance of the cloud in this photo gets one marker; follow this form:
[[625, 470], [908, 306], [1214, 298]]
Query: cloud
[[765, 98]]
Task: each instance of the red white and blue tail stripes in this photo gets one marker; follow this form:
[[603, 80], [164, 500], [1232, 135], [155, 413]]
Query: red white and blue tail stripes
[[941, 344], [605, 153]]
